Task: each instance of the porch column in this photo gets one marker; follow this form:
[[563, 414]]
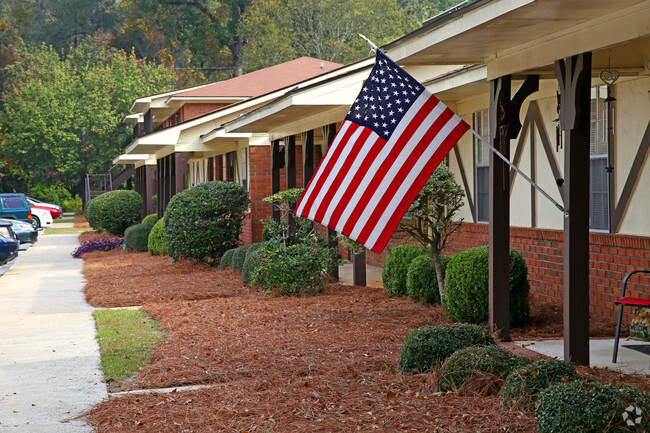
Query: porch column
[[307, 139], [277, 162], [148, 122], [574, 80], [329, 131], [160, 181], [499, 210], [150, 188], [290, 170]]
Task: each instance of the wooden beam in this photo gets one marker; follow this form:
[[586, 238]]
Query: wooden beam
[[499, 211], [277, 162], [574, 79], [307, 139]]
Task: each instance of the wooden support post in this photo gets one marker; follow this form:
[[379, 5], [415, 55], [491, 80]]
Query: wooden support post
[[359, 269], [150, 187], [329, 132], [290, 169], [148, 122], [307, 139], [499, 211], [277, 162], [574, 80]]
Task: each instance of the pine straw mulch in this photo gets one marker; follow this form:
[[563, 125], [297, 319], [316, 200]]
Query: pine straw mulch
[[323, 363]]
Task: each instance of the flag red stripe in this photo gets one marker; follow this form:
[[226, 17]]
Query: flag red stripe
[[335, 184], [446, 146], [384, 169], [403, 172], [365, 165], [323, 170]]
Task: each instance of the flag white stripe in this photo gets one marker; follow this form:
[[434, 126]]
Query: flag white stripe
[[328, 155], [332, 175], [373, 171], [410, 178], [347, 180], [396, 165]]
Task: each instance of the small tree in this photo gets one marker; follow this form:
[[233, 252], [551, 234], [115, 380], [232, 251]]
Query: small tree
[[289, 230], [430, 218]]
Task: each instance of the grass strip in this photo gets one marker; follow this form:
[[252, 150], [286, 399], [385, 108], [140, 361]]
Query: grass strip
[[65, 230], [68, 220], [126, 339]]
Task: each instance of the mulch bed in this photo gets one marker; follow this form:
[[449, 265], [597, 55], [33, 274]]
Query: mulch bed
[[323, 363]]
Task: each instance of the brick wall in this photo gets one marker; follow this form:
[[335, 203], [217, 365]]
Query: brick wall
[[611, 257]]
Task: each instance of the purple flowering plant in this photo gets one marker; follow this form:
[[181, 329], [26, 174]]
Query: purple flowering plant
[[98, 245]]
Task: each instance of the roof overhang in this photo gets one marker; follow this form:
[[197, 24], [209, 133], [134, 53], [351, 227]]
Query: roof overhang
[[135, 159], [515, 36]]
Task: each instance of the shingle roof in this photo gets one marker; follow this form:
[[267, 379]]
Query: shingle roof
[[264, 80]]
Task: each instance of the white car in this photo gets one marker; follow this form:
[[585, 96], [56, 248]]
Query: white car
[[41, 218]]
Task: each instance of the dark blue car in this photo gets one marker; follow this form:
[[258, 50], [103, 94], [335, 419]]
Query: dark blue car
[[8, 243]]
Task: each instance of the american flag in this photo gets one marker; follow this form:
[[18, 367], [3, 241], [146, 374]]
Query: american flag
[[393, 138]]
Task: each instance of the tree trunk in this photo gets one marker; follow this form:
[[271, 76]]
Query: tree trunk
[[440, 272]]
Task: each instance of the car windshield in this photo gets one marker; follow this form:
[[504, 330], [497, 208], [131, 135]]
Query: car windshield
[[12, 202]]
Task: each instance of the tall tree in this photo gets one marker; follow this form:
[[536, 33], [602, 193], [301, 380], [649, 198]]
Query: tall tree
[[62, 117], [199, 37], [281, 30]]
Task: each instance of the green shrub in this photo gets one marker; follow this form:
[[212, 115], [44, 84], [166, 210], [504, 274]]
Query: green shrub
[[481, 363], [73, 204], [136, 238], [580, 406], [293, 269], [157, 243], [466, 287], [249, 263], [239, 256], [426, 348], [114, 211], [205, 221], [54, 194], [226, 259], [150, 219], [395, 268], [523, 385], [422, 281]]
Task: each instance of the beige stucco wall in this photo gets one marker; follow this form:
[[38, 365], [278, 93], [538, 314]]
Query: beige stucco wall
[[632, 111]]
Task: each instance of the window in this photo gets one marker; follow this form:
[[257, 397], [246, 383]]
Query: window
[[598, 149], [482, 165]]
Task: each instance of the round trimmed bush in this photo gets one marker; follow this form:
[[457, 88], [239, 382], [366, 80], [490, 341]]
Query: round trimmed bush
[[396, 266], [422, 281], [580, 406], [239, 256], [226, 259], [150, 219], [136, 238], [427, 347], [249, 263], [522, 386], [157, 242], [482, 363], [205, 221], [114, 211], [466, 287]]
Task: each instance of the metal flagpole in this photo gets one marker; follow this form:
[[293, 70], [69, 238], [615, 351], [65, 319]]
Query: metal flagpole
[[507, 161], [499, 154]]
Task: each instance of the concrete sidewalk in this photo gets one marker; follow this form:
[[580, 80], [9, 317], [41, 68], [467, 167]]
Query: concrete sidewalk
[[49, 359]]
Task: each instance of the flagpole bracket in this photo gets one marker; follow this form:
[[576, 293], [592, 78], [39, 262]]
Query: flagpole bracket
[[372, 44]]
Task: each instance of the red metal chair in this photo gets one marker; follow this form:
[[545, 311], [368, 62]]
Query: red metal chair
[[622, 302]]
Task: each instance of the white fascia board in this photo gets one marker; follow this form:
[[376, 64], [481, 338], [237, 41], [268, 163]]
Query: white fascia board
[[459, 79], [208, 99], [131, 158], [455, 27]]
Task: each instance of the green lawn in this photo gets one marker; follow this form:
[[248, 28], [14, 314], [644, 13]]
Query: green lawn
[[68, 220], [64, 230], [126, 339]]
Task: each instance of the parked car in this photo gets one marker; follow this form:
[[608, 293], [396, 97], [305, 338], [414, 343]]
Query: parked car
[[8, 243], [41, 218], [25, 233], [14, 206], [55, 210]]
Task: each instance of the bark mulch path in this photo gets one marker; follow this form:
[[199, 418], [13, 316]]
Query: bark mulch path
[[323, 363]]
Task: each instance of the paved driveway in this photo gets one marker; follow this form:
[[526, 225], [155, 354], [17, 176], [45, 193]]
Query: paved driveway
[[49, 359]]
